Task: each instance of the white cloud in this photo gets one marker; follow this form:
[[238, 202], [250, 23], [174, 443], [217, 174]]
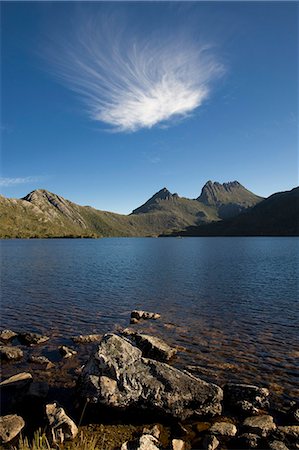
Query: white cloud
[[7, 182], [130, 81]]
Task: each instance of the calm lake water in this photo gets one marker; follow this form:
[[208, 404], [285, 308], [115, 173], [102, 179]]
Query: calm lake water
[[231, 304]]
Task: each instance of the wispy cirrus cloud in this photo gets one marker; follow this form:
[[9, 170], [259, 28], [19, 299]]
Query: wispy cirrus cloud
[[129, 80], [8, 182]]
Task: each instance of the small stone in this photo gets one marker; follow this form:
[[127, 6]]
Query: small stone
[[293, 412], [10, 427], [145, 315], [145, 442], [223, 429], [62, 426], [261, 425], [178, 444], [41, 360], [19, 380], [289, 433], [277, 445], [87, 338], [32, 338], [153, 347], [10, 353], [210, 442], [7, 335], [67, 352], [154, 431], [246, 398], [128, 332], [133, 321], [249, 440]]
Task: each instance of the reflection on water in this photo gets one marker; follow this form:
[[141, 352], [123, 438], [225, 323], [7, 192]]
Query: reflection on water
[[231, 304]]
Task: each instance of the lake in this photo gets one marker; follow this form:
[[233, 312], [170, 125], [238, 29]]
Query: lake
[[230, 304]]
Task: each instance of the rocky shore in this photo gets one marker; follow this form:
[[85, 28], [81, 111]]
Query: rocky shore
[[129, 395]]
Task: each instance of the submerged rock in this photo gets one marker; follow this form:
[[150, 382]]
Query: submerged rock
[[10, 427], [153, 347], [62, 427], [245, 398], [7, 335], [32, 338], [67, 352], [87, 338], [10, 353], [42, 360], [144, 315], [19, 380], [261, 425], [118, 376]]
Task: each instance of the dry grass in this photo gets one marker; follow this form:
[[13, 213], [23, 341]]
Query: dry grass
[[40, 442]]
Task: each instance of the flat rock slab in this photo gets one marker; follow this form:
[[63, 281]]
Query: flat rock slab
[[19, 380], [153, 347], [117, 375], [10, 427], [32, 338], [223, 429], [87, 338], [10, 353], [261, 425], [7, 335]]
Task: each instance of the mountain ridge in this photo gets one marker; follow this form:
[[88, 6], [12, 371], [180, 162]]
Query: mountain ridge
[[42, 213]]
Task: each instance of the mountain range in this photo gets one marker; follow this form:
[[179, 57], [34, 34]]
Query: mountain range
[[220, 209]]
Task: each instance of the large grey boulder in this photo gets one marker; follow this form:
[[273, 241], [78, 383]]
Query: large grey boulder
[[118, 376], [10, 427]]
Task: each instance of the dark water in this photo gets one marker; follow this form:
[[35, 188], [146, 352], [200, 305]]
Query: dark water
[[231, 304]]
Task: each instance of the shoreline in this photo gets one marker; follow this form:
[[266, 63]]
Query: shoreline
[[118, 424]]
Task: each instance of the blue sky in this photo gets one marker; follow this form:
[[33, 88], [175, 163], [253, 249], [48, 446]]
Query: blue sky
[[106, 103]]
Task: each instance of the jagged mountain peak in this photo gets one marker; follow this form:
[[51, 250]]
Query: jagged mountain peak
[[163, 195], [214, 193]]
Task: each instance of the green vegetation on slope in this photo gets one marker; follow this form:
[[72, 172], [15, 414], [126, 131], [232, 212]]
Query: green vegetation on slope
[[278, 215], [42, 214]]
